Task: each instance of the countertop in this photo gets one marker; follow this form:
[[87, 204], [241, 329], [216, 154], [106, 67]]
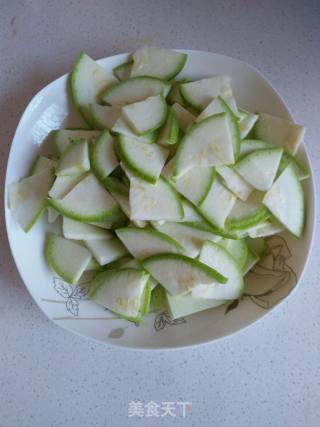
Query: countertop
[[268, 375]]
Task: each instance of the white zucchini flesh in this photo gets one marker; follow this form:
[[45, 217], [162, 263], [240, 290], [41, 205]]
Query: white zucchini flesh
[[280, 132], [218, 258], [285, 200], [120, 291], [62, 138], [106, 225], [143, 160], [194, 184], [170, 131], [74, 160], [106, 251], [41, 164], [88, 80], [237, 248], [216, 107], [190, 236], [200, 93], [180, 274], [154, 201], [120, 127], [184, 117], [77, 230], [52, 214], [147, 115], [265, 229], [301, 172], [103, 158], [66, 258], [133, 263], [104, 116], [88, 201], [63, 184], [209, 143], [186, 305], [122, 71], [190, 213], [135, 89], [234, 182], [259, 168], [250, 145], [155, 62], [247, 123], [27, 198], [144, 242], [217, 204]]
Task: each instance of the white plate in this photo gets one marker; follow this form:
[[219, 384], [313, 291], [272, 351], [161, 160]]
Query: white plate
[[67, 306]]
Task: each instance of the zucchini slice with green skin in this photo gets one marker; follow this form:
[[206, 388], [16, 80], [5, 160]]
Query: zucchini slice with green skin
[[102, 157], [200, 93], [122, 71], [186, 305], [250, 145], [63, 185], [120, 127], [135, 89], [174, 94], [88, 201], [155, 62], [191, 214], [77, 230], [106, 251], [88, 80], [121, 291], [74, 160], [146, 116], [52, 214], [42, 163], [180, 274], [237, 248], [154, 202], [234, 182], [184, 117], [170, 132], [259, 168], [265, 229], [28, 198], [104, 116], [208, 143], [66, 258], [301, 172], [158, 299], [220, 259], [62, 138], [144, 242], [143, 160], [246, 123], [285, 200], [276, 130]]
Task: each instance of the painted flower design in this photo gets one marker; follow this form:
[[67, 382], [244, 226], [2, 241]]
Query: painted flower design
[[72, 294], [164, 319]]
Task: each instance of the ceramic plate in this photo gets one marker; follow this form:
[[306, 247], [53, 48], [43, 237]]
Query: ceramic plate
[[68, 306]]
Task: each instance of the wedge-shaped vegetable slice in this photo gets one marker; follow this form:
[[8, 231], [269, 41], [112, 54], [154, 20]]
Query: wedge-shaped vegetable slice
[[122, 128], [134, 263], [144, 160], [218, 258], [103, 158], [237, 248], [121, 291], [144, 242], [52, 215], [265, 229], [280, 132], [248, 214], [122, 71], [92, 266], [186, 305], [285, 200], [27, 198], [66, 258], [246, 123], [190, 213], [184, 117], [301, 172], [158, 299], [200, 93], [234, 182], [88, 80], [62, 138], [77, 230], [135, 89], [260, 167], [105, 251], [104, 116], [250, 145], [217, 204], [154, 202], [74, 160], [190, 236], [63, 184], [180, 274], [170, 132], [42, 163], [88, 201], [252, 260], [174, 94], [162, 63], [147, 115], [209, 143]]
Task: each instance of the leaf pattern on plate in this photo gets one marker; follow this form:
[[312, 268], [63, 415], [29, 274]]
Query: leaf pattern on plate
[[71, 293], [62, 288], [164, 318], [72, 306]]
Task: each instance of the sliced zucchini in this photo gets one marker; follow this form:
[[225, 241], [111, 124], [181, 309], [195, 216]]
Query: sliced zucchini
[[52, 215], [74, 160], [186, 305], [77, 230], [250, 145], [158, 299], [237, 248], [265, 229], [88, 80], [174, 94], [200, 93], [144, 242], [66, 258], [280, 132], [285, 200], [63, 185], [246, 123], [234, 182], [120, 127], [190, 213], [252, 260], [301, 172], [184, 117], [219, 105], [104, 116], [41, 163], [155, 62], [218, 258], [180, 274], [105, 251], [170, 131], [135, 89], [102, 157], [258, 245], [88, 201], [122, 71], [62, 138]]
